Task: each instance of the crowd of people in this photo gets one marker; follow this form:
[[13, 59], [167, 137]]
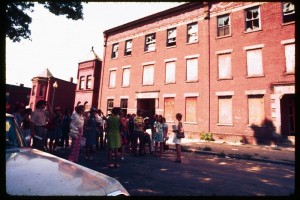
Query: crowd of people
[[46, 128]]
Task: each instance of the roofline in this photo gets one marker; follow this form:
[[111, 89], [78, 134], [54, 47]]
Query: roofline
[[152, 17]]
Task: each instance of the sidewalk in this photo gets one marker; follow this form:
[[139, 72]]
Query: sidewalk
[[265, 153]]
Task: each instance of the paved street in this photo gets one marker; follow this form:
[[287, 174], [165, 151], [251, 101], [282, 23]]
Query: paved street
[[197, 175]]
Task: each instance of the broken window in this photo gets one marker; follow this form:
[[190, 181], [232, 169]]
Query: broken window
[[252, 19], [171, 37], [115, 49], [150, 42], [288, 9], [128, 47], [192, 32], [223, 25]]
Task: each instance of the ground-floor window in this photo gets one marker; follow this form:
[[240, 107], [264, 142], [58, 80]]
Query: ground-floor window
[[169, 109], [256, 112], [124, 106], [191, 109], [225, 109]]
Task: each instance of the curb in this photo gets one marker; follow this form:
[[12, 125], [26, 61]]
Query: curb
[[236, 156]]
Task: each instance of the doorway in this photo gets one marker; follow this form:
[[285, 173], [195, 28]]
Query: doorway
[[287, 107], [147, 106]]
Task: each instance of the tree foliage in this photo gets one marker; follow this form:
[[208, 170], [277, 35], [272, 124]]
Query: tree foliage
[[18, 20]]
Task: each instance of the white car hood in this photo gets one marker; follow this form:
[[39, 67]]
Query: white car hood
[[33, 172]]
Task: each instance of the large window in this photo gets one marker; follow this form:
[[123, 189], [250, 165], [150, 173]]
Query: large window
[[115, 48], [224, 66], [169, 109], [150, 42], [225, 110], [252, 17], [288, 10], [81, 83], [128, 47], [223, 25], [110, 105], [192, 70], [126, 77], [89, 82], [254, 63], [191, 109], [112, 78], [170, 72], [290, 58], [192, 32], [124, 106], [171, 37], [256, 112], [148, 75]]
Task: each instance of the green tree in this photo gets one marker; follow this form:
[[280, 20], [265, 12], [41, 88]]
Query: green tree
[[18, 20]]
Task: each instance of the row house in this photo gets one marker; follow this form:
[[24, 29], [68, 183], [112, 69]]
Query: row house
[[228, 67]]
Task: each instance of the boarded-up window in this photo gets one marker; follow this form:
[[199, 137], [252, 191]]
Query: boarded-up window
[[126, 77], [148, 75], [290, 58], [191, 109], [112, 78], [169, 109], [170, 72], [254, 62], [225, 109], [256, 109], [224, 64], [192, 69]]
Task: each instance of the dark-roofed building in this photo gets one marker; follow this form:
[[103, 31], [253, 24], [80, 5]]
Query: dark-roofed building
[[88, 80], [228, 67], [56, 92]]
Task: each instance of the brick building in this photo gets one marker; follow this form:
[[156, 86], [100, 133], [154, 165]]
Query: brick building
[[88, 87], [16, 94], [228, 67], [55, 91]]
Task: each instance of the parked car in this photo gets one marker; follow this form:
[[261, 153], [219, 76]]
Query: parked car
[[36, 173]]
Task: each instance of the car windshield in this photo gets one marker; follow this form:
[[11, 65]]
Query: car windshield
[[14, 138]]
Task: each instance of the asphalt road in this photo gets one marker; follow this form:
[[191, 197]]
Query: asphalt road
[[197, 175]]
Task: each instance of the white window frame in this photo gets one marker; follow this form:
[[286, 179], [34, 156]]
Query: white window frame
[[128, 47], [150, 41], [81, 83], [250, 22], [89, 80], [115, 49], [112, 78], [288, 12], [224, 67], [223, 25], [289, 51], [192, 32], [171, 37]]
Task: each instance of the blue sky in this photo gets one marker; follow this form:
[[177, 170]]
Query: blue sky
[[59, 44]]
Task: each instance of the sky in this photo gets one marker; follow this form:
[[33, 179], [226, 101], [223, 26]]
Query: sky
[[59, 44]]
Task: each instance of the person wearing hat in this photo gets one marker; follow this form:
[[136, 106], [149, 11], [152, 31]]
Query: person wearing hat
[[90, 132]]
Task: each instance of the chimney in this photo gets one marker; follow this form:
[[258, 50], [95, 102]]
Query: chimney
[[21, 85], [71, 79]]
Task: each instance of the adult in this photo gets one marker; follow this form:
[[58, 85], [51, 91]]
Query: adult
[[27, 125], [65, 128], [77, 123], [124, 133], [138, 132], [40, 118], [113, 136], [90, 132], [100, 135], [18, 112], [176, 140], [147, 136], [166, 130], [54, 129], [159, 135]]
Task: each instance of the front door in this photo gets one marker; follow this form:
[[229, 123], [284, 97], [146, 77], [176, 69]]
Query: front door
[[287, 107], [147, 106]]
